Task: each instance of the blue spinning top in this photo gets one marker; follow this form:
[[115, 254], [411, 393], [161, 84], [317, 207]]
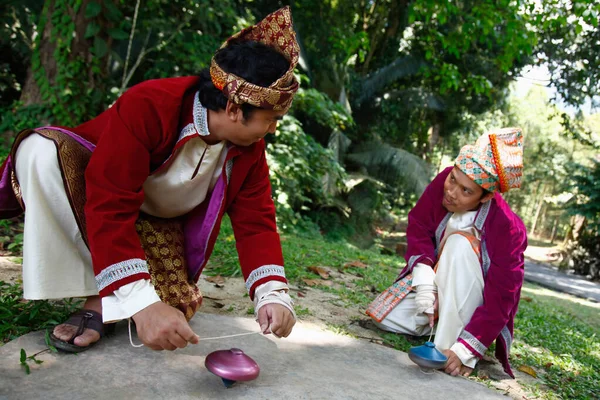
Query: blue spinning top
[[427, 356]]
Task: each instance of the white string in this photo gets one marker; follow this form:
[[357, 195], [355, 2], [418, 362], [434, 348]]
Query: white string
[[203, 339], [131, 340]]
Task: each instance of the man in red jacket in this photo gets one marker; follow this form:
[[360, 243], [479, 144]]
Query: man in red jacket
[[168, 159]]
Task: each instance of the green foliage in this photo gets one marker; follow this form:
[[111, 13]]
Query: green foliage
[[585, 254], [69, 101], [19, 317], [11, 235], [588, 184], [16, 118], [299, 167], [316, 106], [568, 46]]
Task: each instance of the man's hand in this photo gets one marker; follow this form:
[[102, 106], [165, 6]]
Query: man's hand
[[454, 366], [276, 319], [162, 327], [435, 310]]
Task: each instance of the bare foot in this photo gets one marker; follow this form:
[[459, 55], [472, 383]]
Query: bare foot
[[89, 336]]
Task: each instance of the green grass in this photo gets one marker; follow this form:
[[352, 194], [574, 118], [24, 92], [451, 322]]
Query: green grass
[[18, 316], [301, 252], [559, 336]]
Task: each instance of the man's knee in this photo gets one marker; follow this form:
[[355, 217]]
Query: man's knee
[[36, 153], [458, 243]]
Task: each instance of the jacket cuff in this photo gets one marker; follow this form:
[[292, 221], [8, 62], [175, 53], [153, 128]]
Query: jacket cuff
[[464, 354], [128, 300], [262, 275], [116, 275], [423, 275], [472, 343]]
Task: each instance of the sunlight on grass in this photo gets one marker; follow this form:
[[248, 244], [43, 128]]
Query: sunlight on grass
[[557, 335]]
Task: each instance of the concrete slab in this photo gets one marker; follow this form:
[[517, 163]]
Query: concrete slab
[[310, 364]]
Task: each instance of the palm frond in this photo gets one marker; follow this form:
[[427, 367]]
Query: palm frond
[[417, 98], [374, 83], [393, 165]]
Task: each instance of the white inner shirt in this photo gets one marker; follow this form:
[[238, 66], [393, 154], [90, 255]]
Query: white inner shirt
[[183, 183]]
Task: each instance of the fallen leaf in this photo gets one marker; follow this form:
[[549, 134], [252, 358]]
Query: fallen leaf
[[321, 271], [528, 370], [317, 282], [301, 294], [483, 375], [217, 279], [527, 299], [355, 264]]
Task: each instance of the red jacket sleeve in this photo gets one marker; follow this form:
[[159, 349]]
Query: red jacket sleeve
[[114, 177], [252, 214]]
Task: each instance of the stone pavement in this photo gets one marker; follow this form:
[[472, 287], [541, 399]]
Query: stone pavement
[[310, 364], [554, 279]]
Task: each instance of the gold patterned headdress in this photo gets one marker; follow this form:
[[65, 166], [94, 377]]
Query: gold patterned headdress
[[275, 31]]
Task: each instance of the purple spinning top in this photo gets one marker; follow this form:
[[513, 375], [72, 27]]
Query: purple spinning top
[[232, 365]]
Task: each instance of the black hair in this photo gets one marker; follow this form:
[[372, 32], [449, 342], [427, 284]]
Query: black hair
[[255, 62]]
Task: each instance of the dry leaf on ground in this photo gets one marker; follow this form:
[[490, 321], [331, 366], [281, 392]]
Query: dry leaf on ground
[[321, 271], [217, 279], [317, 282], [355, 264], [528, 370]]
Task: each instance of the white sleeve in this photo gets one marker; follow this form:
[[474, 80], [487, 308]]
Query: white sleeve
[[273, 292], [422, 275], [464, 354], [128, 300]]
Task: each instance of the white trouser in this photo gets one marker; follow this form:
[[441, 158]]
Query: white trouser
[[56, 261], [460, 292]]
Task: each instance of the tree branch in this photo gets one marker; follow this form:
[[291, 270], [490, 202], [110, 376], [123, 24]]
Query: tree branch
[[135, 16]]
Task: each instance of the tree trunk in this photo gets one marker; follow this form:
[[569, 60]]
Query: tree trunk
[[432, 140], [538, 211], [88, 78], [31, 92], [553, 235]]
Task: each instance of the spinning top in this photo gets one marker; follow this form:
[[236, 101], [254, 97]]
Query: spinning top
[[427, 356], [231, 366]]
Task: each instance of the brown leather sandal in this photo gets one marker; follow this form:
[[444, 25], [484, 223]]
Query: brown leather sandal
[[83, 319]]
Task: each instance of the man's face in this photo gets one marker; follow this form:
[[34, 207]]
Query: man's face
[[244, 132], [461, 193]]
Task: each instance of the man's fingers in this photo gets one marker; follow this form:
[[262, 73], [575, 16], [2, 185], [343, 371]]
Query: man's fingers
[[169, 346], [187, 334], [263, 320], [177, 340]]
